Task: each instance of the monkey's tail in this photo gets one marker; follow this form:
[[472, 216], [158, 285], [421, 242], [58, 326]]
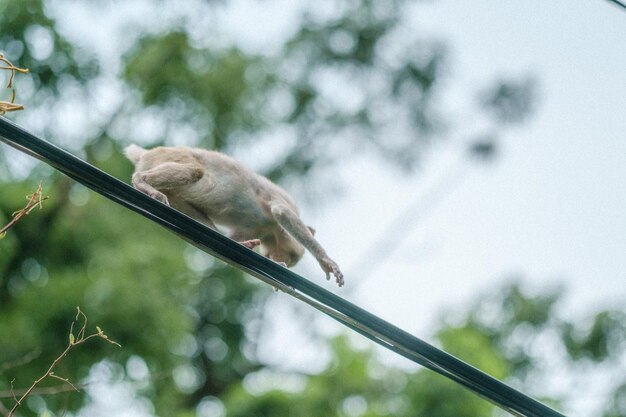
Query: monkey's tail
[[134, 153]]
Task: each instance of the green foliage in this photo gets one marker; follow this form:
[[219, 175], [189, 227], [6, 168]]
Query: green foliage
[[510, 319], [29, 36], [353, 46], [492, 335], [604, 339], [475, 347], [61, 264], [212, 89], [139, 285]]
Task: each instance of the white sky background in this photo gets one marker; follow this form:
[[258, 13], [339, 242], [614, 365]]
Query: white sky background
[[551, 210]]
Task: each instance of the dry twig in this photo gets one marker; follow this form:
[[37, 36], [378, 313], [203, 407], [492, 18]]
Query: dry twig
[[35, 199], [74, 340], [7, 106]]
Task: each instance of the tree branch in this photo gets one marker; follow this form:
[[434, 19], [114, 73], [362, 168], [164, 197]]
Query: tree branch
[[7, 106], [73, 341], [36, 199]]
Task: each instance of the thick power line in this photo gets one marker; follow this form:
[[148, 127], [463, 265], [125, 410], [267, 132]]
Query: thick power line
[[214, 243]]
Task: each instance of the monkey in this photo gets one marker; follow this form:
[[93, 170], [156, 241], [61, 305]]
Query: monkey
[[214, 188]]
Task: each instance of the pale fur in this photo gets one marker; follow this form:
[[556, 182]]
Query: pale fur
[[133, 152], [213, 188]]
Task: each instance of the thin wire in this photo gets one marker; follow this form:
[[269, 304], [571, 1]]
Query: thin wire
[[391, 238], [619, 3], [212, 242]]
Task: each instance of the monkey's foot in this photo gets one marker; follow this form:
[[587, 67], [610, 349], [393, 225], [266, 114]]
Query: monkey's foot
[[330, 267], [160, 197], [251, 244]]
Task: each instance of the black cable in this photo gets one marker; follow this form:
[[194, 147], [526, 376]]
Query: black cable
[[220, 246]]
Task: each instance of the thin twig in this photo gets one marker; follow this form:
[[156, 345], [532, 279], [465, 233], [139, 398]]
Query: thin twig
[[7, 106], [73, 341], [66, 380], [35, 199]]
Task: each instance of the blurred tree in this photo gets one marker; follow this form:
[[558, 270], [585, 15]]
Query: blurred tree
[[29, 35], [355, 383], [509, 334]]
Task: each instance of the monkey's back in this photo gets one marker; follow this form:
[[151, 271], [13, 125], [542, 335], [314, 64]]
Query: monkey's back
[[228, 193]]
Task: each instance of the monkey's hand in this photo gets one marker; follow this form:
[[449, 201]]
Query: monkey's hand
[[330, 267], [251, 244]]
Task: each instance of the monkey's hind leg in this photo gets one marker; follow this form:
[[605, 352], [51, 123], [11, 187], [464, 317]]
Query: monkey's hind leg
[[166, 176]]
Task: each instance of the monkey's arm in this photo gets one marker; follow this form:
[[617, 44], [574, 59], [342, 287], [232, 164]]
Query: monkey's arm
[[296, 228]]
